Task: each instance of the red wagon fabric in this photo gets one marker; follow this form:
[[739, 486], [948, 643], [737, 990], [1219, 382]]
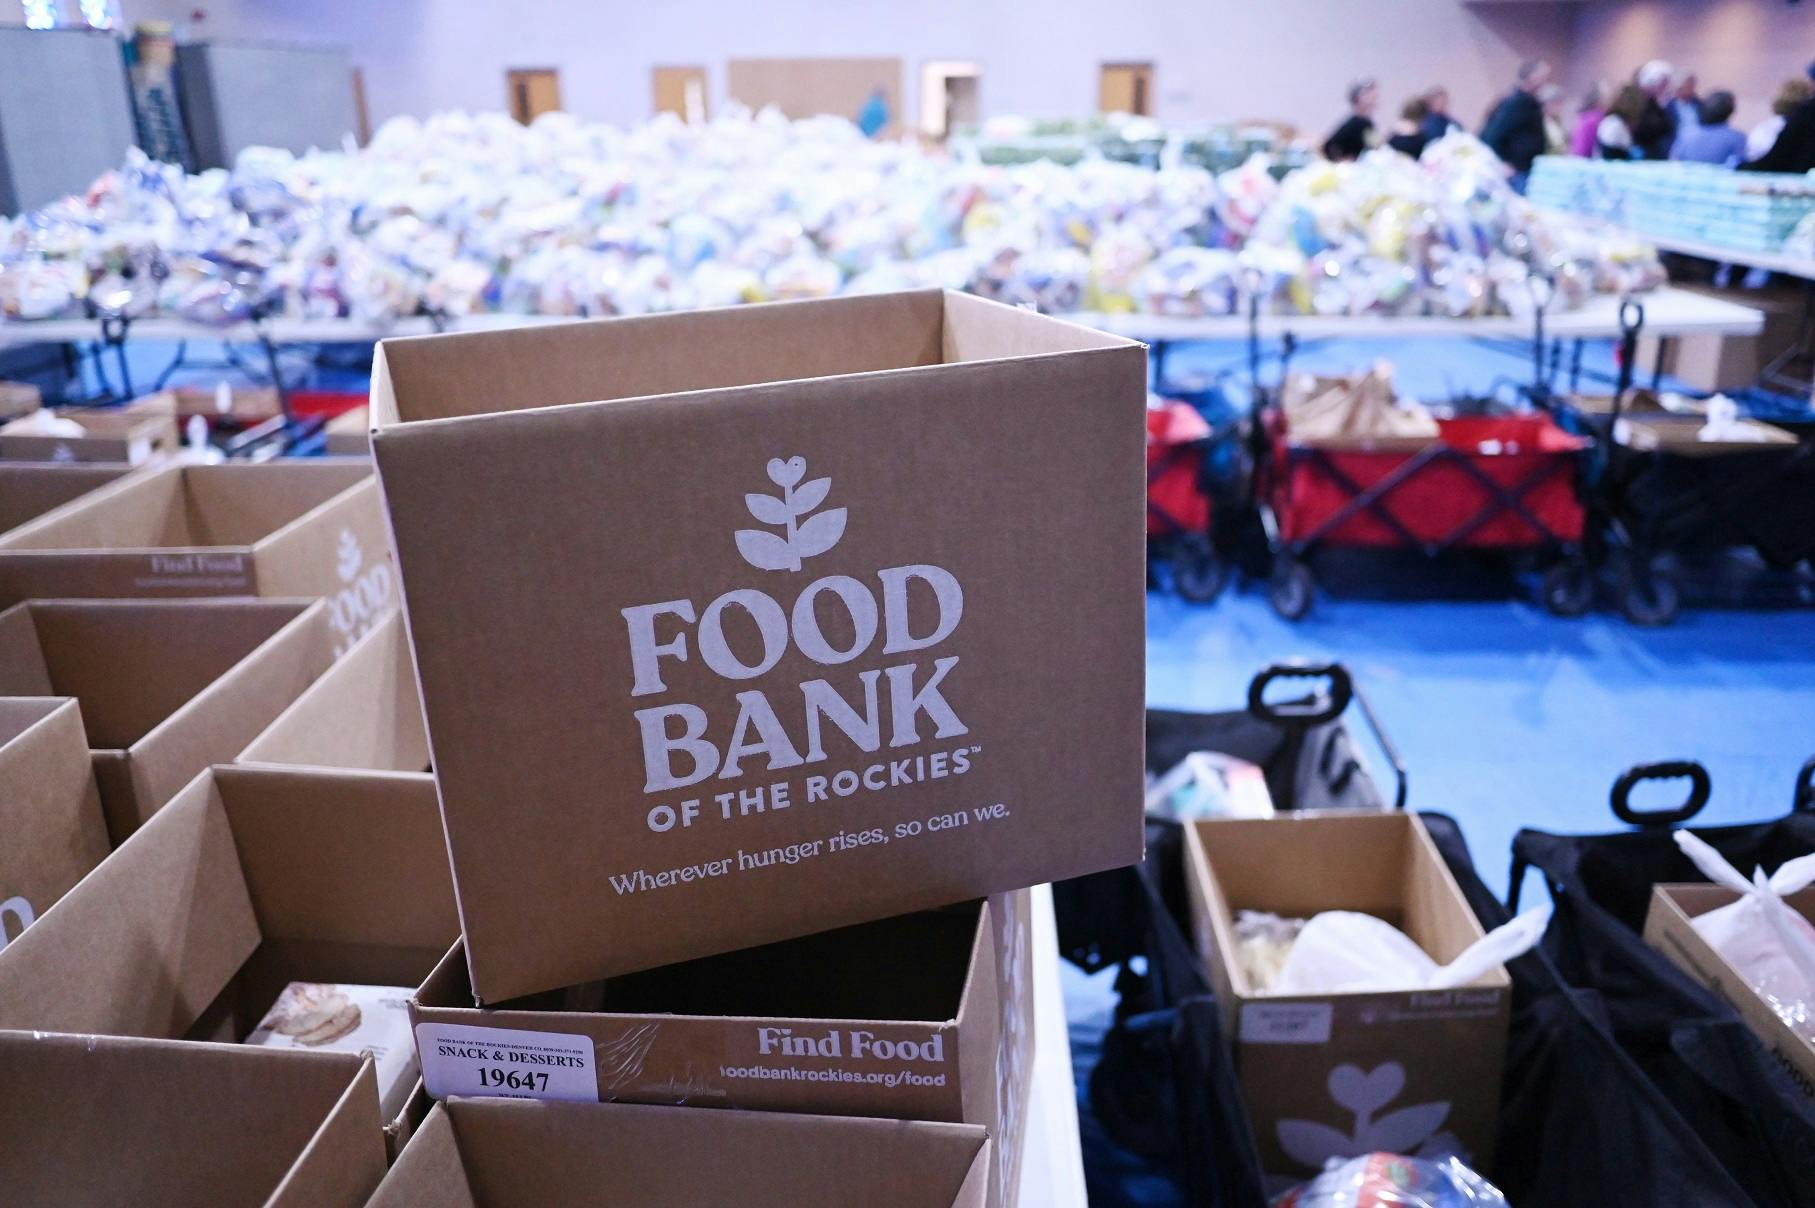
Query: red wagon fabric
[[1501, 482], [1176, 500]]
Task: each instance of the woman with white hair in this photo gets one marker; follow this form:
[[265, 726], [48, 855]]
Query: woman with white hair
[[1654, 130]]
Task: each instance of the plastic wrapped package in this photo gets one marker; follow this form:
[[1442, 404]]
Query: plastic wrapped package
[[1190, 282], [1769, 944], [1384, 1180]]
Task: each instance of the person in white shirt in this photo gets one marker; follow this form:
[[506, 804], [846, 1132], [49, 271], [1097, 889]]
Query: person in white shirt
[[1763, 136]]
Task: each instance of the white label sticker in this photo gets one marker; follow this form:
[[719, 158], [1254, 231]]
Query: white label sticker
[[1287, 1023], [460, 1060]]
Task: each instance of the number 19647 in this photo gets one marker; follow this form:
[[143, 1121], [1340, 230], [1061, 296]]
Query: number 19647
[[516, 1080]]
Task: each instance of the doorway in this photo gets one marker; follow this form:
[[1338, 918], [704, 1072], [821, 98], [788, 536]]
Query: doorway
[[681, 91], [1126, 88], [532, 91], [949, 97]]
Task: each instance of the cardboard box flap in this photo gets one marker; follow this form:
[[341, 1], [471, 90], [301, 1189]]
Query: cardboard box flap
[[50, 809], [134, 663], [30, 491], [553, 1154], [346, 1158], [342, 857], [439, 377], [428, 1171], [164, 1124], [22, 667], [142, 945], [364, 712], [190, 507]]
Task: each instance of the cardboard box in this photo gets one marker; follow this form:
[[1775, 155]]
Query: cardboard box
[[1710, 363], [349, 433], [51, 828], [293, 528], [490, 1153], [623, 684], [19, 398], [1354, 1072], [1670, 929], [107, 436], [364, 712], [166, 687], [251, 878], [246, 403], [28, 490], [920, 1017], [159, 1124]]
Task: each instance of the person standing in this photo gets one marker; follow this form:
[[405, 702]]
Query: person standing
[[1408, 137], [1686, 105], [1588, 120], [1356, 133], [1654, 128], [1437, 119], [1793, 92], [1556, 135], [1515, 129], [1613, 137], [1712, 140]]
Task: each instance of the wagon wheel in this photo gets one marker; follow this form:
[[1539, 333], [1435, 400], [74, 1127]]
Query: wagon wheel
[[1649, 595], [1567, 588], [1290, 588], [1197, 572]]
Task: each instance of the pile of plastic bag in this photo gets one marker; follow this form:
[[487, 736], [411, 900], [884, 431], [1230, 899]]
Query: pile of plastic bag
[[463, 214]]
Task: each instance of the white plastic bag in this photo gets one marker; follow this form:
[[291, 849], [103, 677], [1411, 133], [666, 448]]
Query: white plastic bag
[[1771, 945], [1208, 784], [1342, 951]]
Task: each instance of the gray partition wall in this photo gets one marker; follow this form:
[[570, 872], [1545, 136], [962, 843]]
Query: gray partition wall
[[245, 94], [65, 116]]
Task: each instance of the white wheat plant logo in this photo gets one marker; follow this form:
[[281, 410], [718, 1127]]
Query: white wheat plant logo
[[800, 538]]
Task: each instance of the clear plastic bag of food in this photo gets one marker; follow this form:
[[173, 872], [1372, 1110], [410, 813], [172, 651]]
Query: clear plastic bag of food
[[1384, 1180]]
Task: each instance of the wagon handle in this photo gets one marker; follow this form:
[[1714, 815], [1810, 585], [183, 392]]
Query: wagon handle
[[1323, 706], [1632, 319], [1700, 785], [1804, 800]]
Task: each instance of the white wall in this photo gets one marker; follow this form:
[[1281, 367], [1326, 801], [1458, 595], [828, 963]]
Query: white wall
[[1748, 47], [1288, 59]]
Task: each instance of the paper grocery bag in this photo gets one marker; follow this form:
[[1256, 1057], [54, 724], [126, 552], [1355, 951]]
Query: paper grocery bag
[[737, 625]]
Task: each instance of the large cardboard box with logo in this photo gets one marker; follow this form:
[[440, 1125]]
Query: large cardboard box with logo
[[159, 1124], [275, 529], [165, 687], [1349, 1073], [249, 880], [920, 1017], [28, 490], [1670, 928], [502, 1153], [734, 625], [51, 827]]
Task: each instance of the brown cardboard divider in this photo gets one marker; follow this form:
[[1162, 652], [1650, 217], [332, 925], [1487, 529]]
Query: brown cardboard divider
[[504, 1153], [158, 1124], [249, 879], [107, 436], [934, 1001], [52, 831], [1315, 1068], [166, 687], [349, 434], [549, 486], [1670, 928], [364, 712], [29, 490], [296, 528]]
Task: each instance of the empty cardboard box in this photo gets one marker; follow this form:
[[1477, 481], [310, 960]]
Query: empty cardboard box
[[158, 1124], [859, 580], [166, 687], [51, 828], [349, 433], [292, 528], [364, 712], [28, 490], [1340, 1074], [107, 436], [252, 878], [919, 1017], [1670, 928], [501, 1153]]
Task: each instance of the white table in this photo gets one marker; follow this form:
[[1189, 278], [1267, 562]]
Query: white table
[[1052, 1159]]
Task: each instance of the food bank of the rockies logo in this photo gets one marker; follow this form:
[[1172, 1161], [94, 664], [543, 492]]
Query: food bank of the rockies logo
[[364, 593]]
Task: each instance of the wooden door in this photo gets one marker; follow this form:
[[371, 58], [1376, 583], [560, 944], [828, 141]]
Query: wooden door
[[532, 91], [1126, 88], [681, 91]]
